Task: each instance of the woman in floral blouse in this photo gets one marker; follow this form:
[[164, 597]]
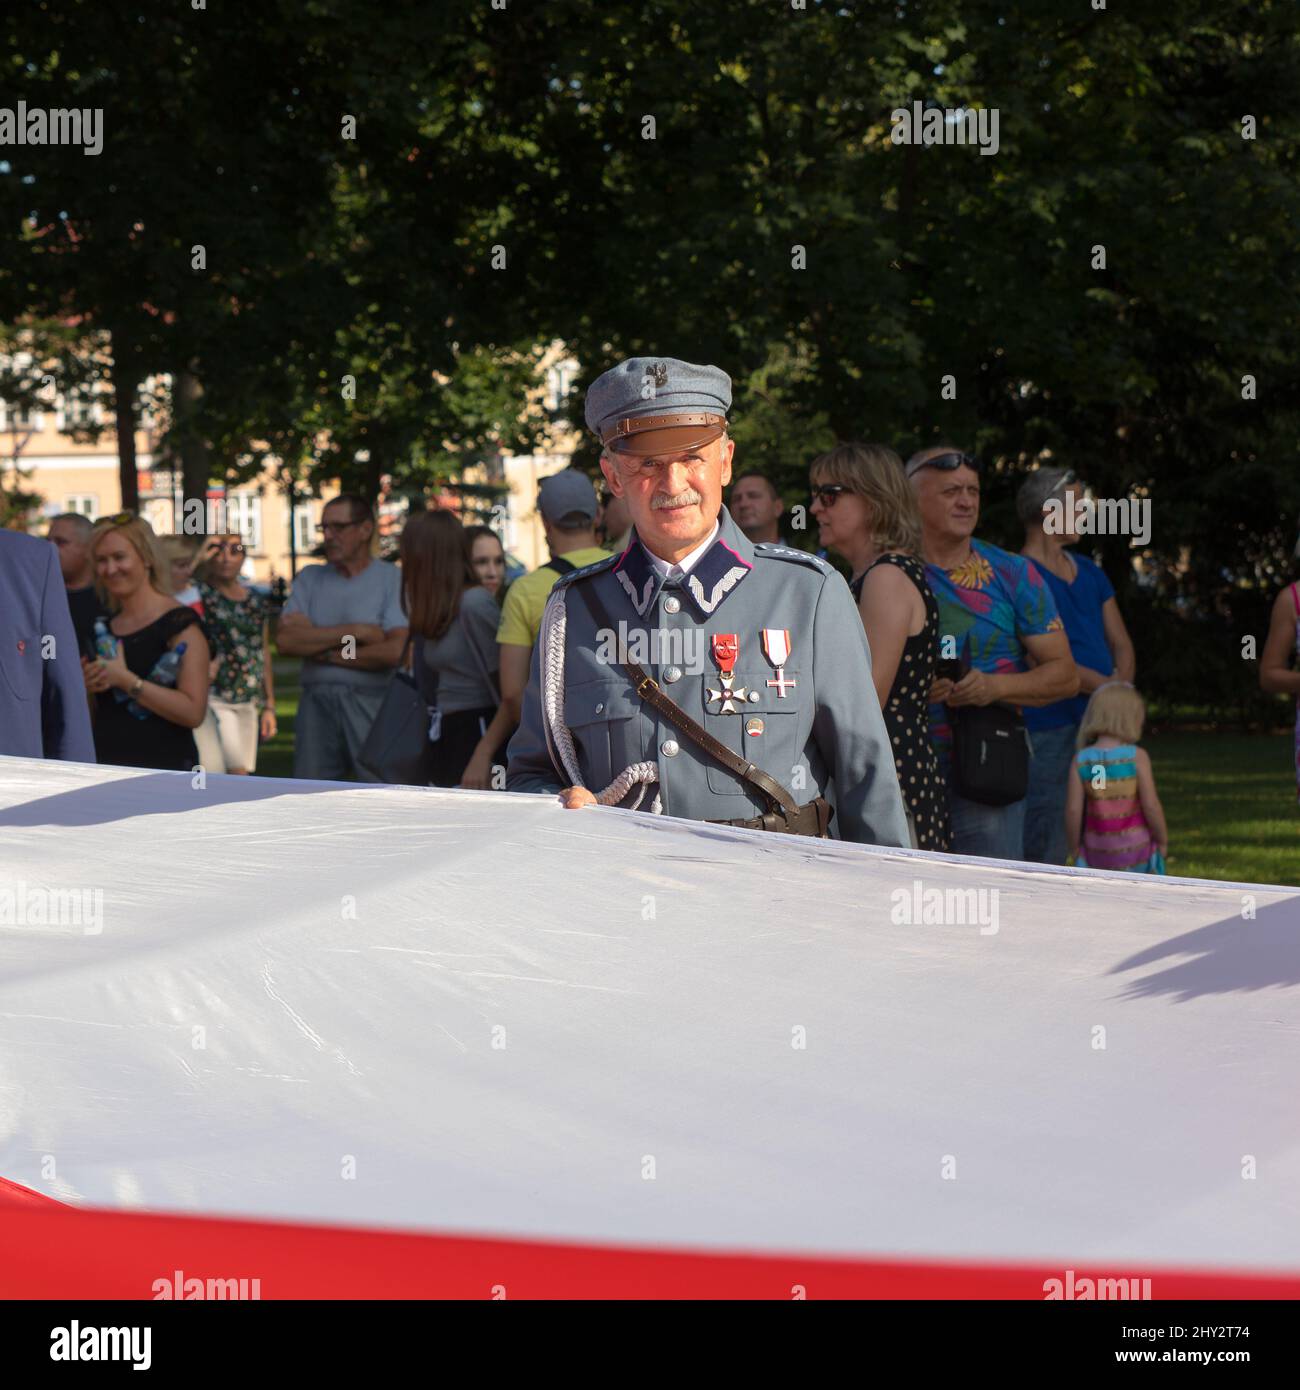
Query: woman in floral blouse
[[241, 704]]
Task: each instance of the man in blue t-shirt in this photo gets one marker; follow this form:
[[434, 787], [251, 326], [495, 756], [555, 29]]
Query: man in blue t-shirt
[[1099, 643]]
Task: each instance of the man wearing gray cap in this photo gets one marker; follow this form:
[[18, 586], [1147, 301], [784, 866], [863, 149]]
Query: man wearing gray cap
[[698, 673]]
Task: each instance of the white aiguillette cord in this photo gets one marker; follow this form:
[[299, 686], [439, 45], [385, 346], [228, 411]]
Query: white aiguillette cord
[[558, 737]]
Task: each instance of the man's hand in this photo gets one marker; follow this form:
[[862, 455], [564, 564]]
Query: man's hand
[[940, 690], [976, 688], [575, 797], [478, 773], [367, 634], [96, 677]]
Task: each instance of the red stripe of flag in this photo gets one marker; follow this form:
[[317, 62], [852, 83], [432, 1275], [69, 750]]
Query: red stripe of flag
[[53, 1251]]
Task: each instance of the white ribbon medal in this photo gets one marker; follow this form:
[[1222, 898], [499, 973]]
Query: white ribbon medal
[[776, 647]]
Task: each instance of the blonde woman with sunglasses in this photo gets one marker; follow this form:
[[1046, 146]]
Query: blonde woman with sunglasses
[[241, 706]]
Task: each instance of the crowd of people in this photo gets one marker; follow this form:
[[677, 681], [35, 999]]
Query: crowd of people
[[971, 645]]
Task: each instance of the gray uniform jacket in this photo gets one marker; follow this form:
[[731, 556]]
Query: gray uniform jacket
[[814, 724]]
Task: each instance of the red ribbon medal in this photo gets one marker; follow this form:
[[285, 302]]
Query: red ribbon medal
[[726, 648]]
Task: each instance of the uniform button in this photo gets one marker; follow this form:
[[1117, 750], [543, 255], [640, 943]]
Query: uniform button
[[672, 604], [671, 674], [599, 708], [669, 748]]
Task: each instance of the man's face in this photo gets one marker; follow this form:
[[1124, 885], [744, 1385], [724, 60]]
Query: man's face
[[949, 502], [753, 504], [67, 540], [675, 499], [345, 539]]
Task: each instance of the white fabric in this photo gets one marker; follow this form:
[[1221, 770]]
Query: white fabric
[[349, 951], [687, 563], [228, 736]]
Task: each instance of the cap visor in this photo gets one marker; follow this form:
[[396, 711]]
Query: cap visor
[[651, 443]]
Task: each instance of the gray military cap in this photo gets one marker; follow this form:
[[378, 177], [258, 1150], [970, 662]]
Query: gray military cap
[[658, 405]]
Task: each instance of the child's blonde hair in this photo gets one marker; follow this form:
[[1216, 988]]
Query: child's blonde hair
[[1115, 709], [176, 548]]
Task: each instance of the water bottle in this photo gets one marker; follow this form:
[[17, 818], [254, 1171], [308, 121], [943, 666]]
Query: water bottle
[[166, 671], [106, 646]]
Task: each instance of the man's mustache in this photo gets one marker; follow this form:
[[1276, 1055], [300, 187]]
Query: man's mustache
[[689, 498]]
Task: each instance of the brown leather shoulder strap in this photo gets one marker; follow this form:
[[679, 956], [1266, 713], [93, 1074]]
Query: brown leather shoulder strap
[[648, 689]]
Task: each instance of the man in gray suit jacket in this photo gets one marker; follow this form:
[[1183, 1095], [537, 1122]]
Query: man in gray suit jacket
[[757, 648], [43, 708]]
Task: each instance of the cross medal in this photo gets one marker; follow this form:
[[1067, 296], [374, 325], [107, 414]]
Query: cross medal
[[776, 647], [726, 647]]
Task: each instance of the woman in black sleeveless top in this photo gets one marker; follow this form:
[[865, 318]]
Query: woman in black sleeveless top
[[146, 708], [867, 513]]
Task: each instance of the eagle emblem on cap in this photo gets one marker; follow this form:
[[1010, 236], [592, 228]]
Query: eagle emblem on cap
[[660, 373]]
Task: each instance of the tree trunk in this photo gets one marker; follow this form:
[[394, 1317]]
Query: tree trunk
[[125, 384], [195, 462]]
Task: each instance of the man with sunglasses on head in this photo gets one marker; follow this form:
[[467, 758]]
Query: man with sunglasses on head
[[999, 634], [698, 674], [345, 619]]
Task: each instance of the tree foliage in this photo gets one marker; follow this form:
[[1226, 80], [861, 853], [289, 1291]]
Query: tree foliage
[[1098, 290]]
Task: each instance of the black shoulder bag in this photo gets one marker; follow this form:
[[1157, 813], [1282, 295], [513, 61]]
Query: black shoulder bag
[[990, 754]]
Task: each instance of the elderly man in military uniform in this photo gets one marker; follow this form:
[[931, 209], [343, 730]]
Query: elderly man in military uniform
[[697, 674]]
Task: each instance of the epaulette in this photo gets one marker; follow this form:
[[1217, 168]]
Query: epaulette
[[595, 568], [783, 552]]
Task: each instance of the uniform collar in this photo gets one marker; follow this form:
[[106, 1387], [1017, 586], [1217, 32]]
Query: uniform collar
[[713, 574], [685, 565]]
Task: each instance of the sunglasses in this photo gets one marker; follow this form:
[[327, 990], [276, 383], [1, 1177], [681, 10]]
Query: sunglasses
[[828, 492], [120, 519], [946, 463]]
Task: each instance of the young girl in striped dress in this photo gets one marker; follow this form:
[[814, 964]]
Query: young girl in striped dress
[[1113, 817]]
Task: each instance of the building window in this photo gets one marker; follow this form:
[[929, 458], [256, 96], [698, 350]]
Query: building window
[[559, 381], [76, 412], [19, 417], [304, 528], [83, 503], [244, 514]]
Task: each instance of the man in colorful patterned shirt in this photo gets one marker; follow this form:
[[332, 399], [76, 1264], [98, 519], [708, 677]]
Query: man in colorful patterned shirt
[[997, 615]]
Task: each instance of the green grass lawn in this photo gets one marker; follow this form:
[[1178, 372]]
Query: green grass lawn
[[1231, 805], [1230, 798], [275, 759]]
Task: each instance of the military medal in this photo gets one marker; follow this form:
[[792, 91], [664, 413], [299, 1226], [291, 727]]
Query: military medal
[[776, 647], [726, 647]]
